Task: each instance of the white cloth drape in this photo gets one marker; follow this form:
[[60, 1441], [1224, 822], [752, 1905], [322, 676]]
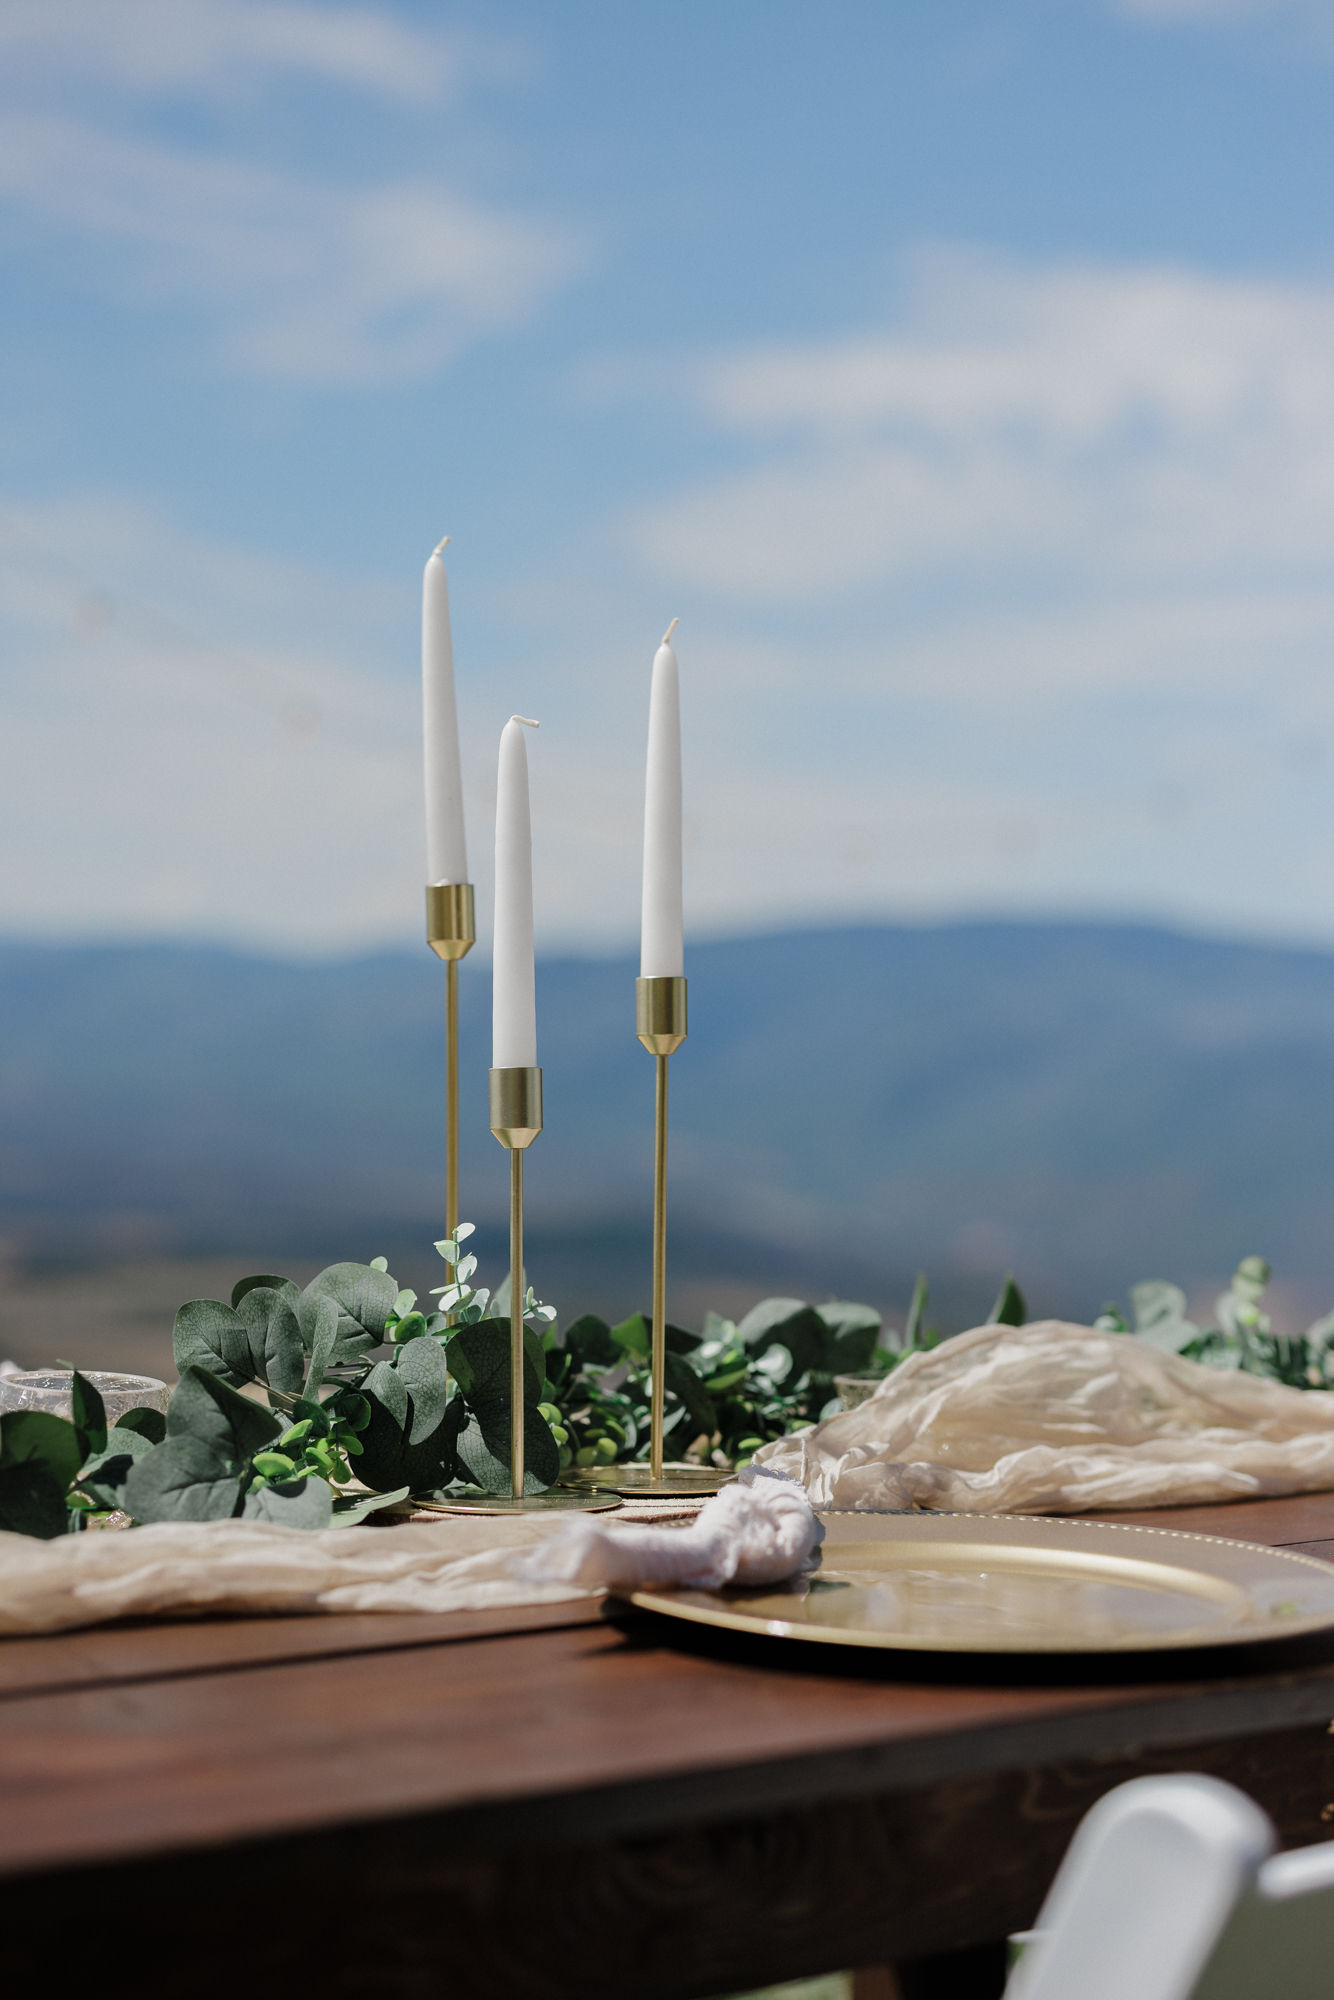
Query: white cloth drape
[[759, 1531], [1060, 1419]]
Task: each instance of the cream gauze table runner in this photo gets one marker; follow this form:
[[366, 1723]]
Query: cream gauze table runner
[[758, 1530], [1042, 1419], [1060, 1419]]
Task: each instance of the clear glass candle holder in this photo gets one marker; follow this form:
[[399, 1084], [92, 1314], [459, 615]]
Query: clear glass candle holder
[[51, 1389], [855, 1389]]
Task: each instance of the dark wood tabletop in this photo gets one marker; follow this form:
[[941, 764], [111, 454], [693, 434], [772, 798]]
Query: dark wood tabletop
[[572, 1798]]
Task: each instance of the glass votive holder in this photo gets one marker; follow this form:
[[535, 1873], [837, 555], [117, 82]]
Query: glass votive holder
[[50, 1389], [855, 1389]]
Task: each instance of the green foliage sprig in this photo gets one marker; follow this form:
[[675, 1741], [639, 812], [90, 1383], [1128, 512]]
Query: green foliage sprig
[[728, 1390], [1243, 1336], [317, 1407]]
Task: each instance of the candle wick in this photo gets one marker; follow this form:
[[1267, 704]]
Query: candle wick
[[667, 635], [526, 720], [443, 543]]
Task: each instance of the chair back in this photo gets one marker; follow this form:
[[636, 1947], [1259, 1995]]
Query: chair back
[[1144, 1895]]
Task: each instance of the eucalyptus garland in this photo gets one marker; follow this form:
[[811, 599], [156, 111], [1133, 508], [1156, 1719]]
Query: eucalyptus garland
[[316, 1407]]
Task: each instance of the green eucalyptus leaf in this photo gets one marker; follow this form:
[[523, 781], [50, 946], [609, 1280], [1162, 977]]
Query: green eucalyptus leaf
[[1251, 1277], [208, 1334], [424, 1373], [853, 1333], [1010, 1308], [90, 1414], [409, 1440], [1159, 1311], [298, 1503], [386, 1390], [633, 1336], [273, 1334], [681, 1378], [103, 1477], [412, 1326], [274, 1464], [912, 1331], [479, 1359], [32, 1500], [351, 1508], [763, 1323], [805, 1336], [1156, 1300], [322, 1319], [588, 1339], [185, 1479], [150, 1424], [483, 1449], [205, 1409], [270, 1283], [364, 1295], [728, 1377], [35, 1437], [352, 1409], [318, 1416]]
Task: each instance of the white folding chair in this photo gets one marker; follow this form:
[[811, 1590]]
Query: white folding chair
[[1145, 1894]]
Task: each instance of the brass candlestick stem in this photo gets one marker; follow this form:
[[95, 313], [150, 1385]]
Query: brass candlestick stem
[[451, 931], [660, 1024], [516, 1120]]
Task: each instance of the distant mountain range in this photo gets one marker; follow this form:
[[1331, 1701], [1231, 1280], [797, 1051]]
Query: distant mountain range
[[1085, 1104]]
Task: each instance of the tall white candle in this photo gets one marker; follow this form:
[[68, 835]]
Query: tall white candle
[[662, 949], [446, 848], [513, 1005]]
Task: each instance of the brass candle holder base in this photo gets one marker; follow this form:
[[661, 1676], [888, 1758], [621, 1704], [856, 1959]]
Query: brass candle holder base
[[557, 1500], [641, 1482], [516, 1120]]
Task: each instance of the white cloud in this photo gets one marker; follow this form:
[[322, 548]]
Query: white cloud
[[1212, 11], [1146, 424], [305, 280], [1307, 26], [202, 740], [189, 749], [163, 45]]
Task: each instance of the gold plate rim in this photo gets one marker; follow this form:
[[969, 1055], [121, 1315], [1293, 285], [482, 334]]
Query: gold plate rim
[[720, 1609]]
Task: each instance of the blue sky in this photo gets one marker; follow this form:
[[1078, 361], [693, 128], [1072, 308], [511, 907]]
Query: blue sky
[[961, 375]]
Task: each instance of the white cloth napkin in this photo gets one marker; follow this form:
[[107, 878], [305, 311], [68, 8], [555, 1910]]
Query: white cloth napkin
[[1060, 1419], [758, 1532], [759, 1529]]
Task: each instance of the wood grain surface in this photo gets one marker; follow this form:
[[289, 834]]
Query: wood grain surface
[[622, 1802]]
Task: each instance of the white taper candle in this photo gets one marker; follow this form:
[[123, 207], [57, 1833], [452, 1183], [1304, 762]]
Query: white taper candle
[[513, 1002], [446, 847], [662, 947]]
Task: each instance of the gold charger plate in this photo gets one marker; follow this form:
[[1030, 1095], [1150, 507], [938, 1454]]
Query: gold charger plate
[[991, 1583]]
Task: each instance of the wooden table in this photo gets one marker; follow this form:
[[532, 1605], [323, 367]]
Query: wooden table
[[401, 1807]]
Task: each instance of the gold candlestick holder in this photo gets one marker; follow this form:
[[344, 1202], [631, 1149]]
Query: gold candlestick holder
[[451, 932], [660, 1024], [516, 1120]]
